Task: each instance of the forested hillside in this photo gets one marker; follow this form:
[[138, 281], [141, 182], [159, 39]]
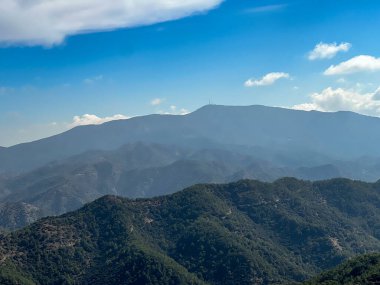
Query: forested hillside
[[239, 233], [363, 270]]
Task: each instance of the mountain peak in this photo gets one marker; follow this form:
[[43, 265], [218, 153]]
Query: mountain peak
[[213, 107]]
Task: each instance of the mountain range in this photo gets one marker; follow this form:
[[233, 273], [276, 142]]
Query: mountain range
[[161, 154], [267, 132]]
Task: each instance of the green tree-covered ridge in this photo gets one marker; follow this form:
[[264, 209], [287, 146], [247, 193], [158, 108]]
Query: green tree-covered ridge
[[363, 270], [248, 232]]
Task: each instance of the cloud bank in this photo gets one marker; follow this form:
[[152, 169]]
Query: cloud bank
[[266, 80], [360, 63], [327, 51], [157, 101], [332, 100], [88, 119], [48, 22]]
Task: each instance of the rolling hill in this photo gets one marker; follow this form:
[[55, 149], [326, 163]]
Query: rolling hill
[[363, 270], [239, 233]]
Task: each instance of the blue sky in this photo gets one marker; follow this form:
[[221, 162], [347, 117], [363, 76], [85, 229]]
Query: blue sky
[[179, 61]]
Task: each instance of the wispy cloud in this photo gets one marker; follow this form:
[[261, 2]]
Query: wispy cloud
[[361, 63], [157, 101], [170, 110], [88, 119], [327, 51], [92, 80], [267, 79], [4, 89], [175, 111], [178, 111], [267, 8], [46, 22]]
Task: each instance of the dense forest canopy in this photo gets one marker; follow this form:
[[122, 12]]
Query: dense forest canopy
[[244, 232]]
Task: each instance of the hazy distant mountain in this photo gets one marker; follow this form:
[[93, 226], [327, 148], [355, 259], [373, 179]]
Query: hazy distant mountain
[[60, 187], [138, 170], [307, 137], [135, 170], [239, 233]]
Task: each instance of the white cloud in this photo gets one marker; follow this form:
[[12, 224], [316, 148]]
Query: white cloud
[[356, 64], [332, 100], [48, 22], [174, 111], [326, 51], [93, 79], [157, 101], [268, 8], [183, 111], [268, 79], [88, 119]]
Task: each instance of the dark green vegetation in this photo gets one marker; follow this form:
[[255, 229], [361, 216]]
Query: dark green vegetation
[[363, 270], [247, 232]]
